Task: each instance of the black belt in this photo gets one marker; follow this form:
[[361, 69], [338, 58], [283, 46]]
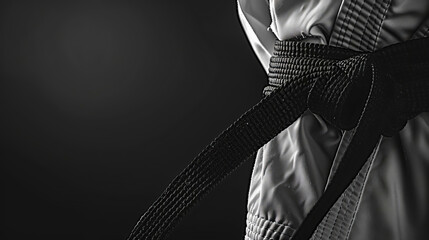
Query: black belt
[[372, 93]]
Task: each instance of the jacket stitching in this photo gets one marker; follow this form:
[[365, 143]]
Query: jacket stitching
[[389, 2]]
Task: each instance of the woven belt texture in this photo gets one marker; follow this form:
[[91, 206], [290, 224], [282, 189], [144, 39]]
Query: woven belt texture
[[372, 93]]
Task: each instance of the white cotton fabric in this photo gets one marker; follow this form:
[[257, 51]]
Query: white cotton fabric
[[292, 170]]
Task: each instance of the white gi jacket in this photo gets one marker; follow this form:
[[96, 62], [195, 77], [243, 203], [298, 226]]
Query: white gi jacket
[[389, 199]]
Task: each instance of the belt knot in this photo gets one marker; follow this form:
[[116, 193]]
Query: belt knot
[[336, 83]]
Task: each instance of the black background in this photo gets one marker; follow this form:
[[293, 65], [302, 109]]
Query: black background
[[104, 102]]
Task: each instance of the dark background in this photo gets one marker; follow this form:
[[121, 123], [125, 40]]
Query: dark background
[[104, 102]]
